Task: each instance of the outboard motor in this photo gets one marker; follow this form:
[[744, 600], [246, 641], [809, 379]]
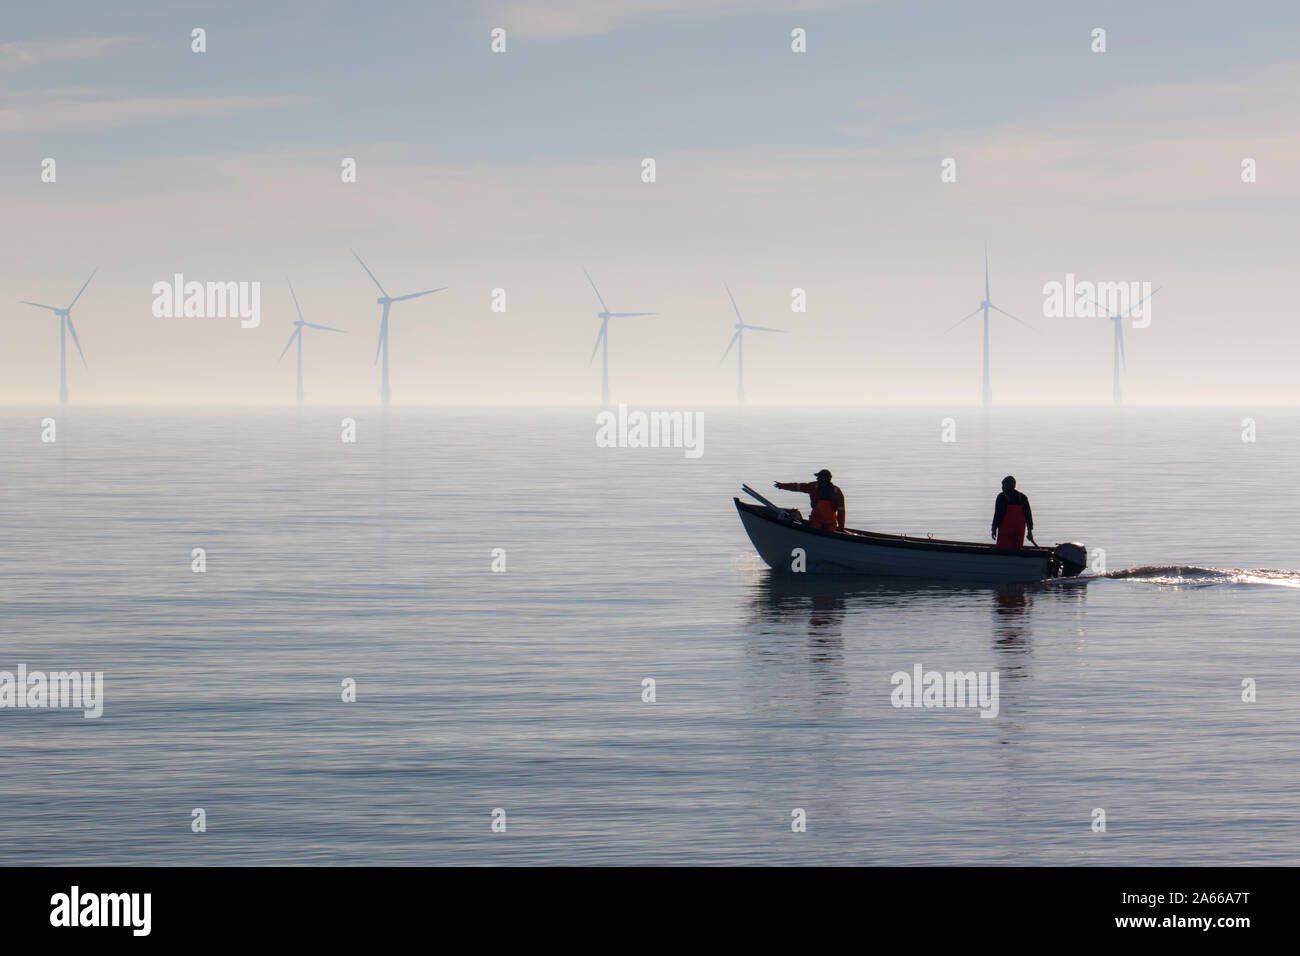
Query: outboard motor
[[1069, 559]]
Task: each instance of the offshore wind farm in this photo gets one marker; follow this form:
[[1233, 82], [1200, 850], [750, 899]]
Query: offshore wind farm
[[601, 347]]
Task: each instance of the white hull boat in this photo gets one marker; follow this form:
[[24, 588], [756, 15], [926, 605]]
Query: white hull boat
[[780, 535]]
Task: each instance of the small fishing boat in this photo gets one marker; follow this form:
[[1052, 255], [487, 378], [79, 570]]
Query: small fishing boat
[[788, 544]]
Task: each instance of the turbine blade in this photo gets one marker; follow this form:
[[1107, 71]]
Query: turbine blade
[[599, 336], [986, 272], [1140, 301], [295, 300], [960, 321], [1112, 315], [603, 306], [734, 307], [416, 295], [73, 329], [729, 345], [82, 289], [296, 332], [383, 330], [39, 305], [369, 273], [1010, 316], [629, 315], [1123, 358], [764, 328], [323, 328], [1109, 313]]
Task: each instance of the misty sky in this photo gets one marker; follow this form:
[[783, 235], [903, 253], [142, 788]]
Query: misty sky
[[775, 170]]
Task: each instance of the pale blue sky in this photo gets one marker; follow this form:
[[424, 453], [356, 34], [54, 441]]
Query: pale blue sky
[[776, 170]]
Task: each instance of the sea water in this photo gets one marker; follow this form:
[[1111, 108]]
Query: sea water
[[495, 589]]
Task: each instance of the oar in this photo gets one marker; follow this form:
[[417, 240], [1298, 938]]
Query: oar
[[754, 494]]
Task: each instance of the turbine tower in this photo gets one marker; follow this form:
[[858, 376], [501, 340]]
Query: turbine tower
[[386, 301], [1120, 359], [297, 334], [738, 339], [602, 337], [984, 307], [66, 326]]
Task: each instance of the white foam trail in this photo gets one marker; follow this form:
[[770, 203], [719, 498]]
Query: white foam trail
[[1192, 576]]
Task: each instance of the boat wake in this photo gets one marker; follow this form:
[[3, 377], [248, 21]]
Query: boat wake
[[1186, 576]]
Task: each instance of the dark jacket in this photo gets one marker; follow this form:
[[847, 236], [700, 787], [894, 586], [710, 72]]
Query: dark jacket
[[1012, 498], [814, 491], [818, 492]]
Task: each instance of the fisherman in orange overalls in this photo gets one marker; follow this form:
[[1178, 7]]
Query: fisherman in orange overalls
[[1012, 517], [827, 500]]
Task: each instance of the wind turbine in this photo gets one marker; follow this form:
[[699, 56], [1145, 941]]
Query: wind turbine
[[297, 334], [65, 326], [386, 301], [739, 339], [1120, 358], [602, 337], [984, 307]]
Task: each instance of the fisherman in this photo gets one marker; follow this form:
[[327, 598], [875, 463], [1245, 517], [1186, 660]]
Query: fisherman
[[1012, 517], [827, 500]]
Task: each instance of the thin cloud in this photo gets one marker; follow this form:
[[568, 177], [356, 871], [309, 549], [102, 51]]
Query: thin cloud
[[26, 55], [81, 114], [55, 93], [565, 19], [891, 113]]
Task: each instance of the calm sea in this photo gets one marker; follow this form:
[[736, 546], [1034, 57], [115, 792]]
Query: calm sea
[[522, 690]]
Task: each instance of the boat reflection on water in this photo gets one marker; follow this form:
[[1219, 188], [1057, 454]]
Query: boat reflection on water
[[1012, 629], [798, 628], [821, 605], [797, 624], [820, 650]]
